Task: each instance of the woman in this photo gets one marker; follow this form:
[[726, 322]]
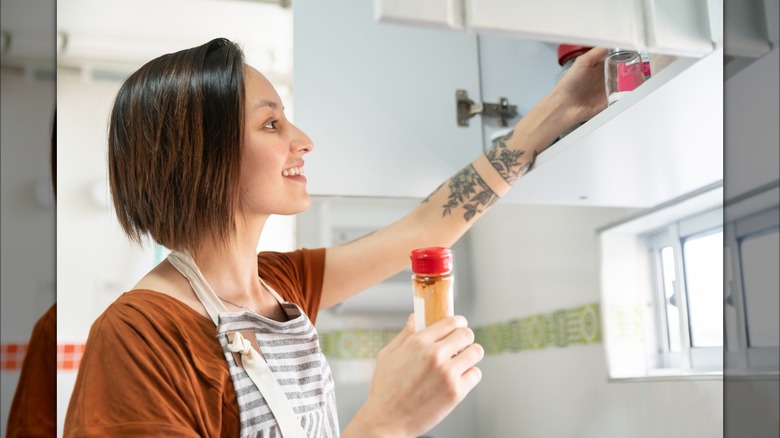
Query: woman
[[200, 155]]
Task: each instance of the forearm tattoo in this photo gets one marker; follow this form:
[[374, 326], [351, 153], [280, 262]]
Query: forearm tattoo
[[508, 163], [469, 191]]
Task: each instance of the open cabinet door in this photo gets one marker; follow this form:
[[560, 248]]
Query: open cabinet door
[[378, 100]]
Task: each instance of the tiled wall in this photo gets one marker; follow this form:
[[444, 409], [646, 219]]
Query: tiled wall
[[68, 356], [561, 328], [575, 326]]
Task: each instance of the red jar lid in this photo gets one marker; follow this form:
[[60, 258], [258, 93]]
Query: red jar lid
[[434, 260], [568, 51]]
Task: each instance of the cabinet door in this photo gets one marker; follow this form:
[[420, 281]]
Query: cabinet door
[[378, 100], [677, 27]]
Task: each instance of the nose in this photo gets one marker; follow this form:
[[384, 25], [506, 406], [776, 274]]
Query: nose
[[300, 141]]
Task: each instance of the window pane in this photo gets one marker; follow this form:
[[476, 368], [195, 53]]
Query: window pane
[[703, 257], [670, 299], [762, 289]]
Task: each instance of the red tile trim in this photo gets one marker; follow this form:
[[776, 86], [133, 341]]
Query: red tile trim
[[68, 356]]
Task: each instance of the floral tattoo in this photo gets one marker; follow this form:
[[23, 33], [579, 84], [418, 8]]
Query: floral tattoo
[[469, 190], [508, 162]]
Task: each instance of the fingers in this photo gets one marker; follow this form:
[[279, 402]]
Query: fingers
[[403, 335], [456, 341], [470, 378], [442, 328], [592, 57], [467, 359]]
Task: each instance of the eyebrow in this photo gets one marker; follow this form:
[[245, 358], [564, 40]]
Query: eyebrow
[[262, 103]]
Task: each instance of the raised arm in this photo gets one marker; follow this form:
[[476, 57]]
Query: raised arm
[[447, 213]]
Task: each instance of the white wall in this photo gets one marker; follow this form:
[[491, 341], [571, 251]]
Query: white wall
[[525, 260], [95, 261], [536, 259]]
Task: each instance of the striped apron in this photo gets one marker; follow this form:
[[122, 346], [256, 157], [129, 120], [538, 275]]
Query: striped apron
[[283, 383]]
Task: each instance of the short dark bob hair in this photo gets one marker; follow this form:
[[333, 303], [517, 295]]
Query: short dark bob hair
[[174, 146]]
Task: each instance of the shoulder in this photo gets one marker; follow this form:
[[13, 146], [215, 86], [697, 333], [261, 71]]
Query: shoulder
[[296, 276], [150, 346], [294, 260], [150, 333], [298, 267], [151, 318], [148, 305]]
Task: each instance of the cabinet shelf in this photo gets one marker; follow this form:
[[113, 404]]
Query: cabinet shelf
[[660, 141], [378, 100]]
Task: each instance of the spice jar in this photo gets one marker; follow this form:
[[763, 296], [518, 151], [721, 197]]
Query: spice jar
[[623, 72], [432, 282], [567, 54]]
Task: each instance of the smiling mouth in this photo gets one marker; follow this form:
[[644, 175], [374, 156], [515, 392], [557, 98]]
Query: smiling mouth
[[293, 171]]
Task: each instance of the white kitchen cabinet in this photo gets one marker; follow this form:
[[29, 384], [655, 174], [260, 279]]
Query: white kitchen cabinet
[[378, 99], [750, 30], [678, 27]]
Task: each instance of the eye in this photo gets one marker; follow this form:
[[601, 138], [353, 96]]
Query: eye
[[271, 125]]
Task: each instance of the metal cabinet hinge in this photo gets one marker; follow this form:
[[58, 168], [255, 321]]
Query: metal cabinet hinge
[[467, 108]]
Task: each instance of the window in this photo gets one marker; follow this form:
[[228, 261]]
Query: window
[[688, 281], [752, 290], [662, 290], [685, 261]]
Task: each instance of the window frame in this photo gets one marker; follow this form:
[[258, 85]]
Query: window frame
[[749, 216], [674, 235], [629, 309]]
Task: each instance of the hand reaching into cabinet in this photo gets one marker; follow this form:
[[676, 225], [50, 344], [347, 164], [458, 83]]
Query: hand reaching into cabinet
[[452, 208], [581, 89]]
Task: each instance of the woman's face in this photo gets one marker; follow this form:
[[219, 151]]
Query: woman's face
[[273, 150]]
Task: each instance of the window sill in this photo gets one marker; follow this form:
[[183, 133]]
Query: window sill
[[732, 375], [671, 375]]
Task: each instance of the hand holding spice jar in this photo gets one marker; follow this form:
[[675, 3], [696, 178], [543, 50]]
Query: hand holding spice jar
[[567, 54]]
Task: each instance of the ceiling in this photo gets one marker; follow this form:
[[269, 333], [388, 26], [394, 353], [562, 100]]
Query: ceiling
[[119, 36]]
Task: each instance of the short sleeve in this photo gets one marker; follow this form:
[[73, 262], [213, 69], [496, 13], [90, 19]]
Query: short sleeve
[[146, 371], [296, 276]]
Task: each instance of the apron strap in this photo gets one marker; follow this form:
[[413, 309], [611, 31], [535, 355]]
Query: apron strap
[[185, 264], [258, 371], [252, 361], [273, 292]]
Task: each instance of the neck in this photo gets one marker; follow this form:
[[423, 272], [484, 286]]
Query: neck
[[231, 267]]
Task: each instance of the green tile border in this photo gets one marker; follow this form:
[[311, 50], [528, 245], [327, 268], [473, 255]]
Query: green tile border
[[355, 343], [579, 325]]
